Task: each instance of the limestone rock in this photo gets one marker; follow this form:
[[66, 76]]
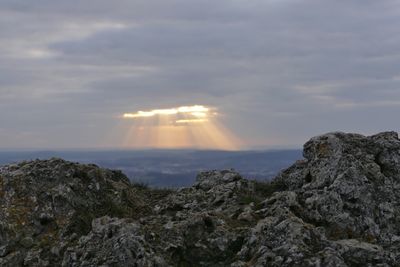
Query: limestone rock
[[45, 205], [339, 206], [112, 241]]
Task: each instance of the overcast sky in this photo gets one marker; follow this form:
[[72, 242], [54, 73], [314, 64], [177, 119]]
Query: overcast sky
[[279, 71]]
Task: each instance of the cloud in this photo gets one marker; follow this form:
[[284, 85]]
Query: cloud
[[280, 71]]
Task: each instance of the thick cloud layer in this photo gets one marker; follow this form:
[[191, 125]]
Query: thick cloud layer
[[279, 71]]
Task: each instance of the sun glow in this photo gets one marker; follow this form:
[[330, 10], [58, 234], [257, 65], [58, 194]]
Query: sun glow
[[194, 126], [196, 110], [191, 121]]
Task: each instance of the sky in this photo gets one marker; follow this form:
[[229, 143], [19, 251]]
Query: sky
[[278, 72]]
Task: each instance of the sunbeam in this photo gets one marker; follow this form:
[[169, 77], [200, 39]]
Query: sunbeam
[[182, 127]]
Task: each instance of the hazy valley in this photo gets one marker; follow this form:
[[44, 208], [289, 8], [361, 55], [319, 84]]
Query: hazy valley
[[172, 168]]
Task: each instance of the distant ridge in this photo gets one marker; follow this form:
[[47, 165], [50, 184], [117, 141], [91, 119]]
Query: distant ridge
[[171, 168]]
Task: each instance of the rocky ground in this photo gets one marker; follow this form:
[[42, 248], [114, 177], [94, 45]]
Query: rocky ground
[[337, 207]]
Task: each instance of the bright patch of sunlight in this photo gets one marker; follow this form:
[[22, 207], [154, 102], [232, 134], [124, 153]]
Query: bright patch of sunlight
[[194, 126]]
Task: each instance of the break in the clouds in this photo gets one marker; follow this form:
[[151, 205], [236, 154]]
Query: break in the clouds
[[278, 71]]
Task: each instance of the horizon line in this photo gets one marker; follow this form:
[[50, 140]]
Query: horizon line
[[115, 149]]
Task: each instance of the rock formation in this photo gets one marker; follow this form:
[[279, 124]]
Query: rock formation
[[337, 207]]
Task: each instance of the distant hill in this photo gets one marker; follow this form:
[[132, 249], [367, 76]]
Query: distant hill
[[172, 168]]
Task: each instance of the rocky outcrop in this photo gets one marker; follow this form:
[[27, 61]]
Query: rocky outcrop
[[47, 205], [337, 207]]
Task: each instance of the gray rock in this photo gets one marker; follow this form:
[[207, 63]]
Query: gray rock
[[208, 180], [340, 206], [44, 204], [112, 242]]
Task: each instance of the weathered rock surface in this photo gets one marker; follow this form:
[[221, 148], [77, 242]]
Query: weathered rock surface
[[48, 205], [337, 207]]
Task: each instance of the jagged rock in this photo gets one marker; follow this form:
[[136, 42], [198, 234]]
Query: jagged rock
[[210, 179], [112, 242], [47, 204], [339, 206]]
